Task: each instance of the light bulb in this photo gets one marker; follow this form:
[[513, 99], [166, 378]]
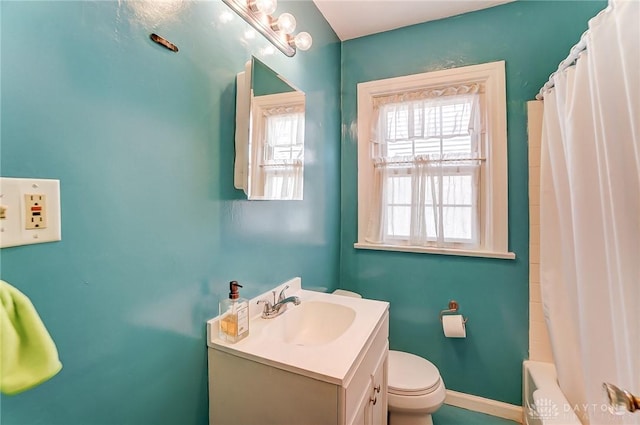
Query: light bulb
[[303, 40], [265, 6], [287, 23]]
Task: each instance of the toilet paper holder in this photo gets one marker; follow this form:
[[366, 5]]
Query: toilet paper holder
[[453, 308]]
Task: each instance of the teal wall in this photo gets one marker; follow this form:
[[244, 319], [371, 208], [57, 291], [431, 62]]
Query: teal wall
[[532, 37], [142, 141]]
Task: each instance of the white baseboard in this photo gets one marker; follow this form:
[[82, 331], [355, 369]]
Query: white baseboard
[[484, 405]]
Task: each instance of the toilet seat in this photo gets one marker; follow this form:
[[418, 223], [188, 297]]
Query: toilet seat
[[411, 375]]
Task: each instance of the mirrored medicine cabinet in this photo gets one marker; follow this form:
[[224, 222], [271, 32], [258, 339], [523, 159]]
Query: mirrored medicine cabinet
[[270, 114]]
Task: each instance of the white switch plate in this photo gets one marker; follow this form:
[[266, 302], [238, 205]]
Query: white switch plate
[[19, 209]]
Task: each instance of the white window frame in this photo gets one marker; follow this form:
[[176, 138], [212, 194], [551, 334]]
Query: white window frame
[[494, 224]]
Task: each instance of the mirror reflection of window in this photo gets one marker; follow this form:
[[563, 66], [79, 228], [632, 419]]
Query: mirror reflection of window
[[284, 154]]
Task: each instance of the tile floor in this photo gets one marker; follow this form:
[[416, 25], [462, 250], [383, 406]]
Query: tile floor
[[450, 415]]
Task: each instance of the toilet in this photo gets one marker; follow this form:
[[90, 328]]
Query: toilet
[[415, 388]]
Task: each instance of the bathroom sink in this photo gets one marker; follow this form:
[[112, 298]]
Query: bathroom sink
[[321, 338], [311, 323]]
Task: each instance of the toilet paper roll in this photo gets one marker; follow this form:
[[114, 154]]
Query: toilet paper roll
[[453, 326]]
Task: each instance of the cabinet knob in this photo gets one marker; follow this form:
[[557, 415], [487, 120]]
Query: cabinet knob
[[377, 388], [374, 400]]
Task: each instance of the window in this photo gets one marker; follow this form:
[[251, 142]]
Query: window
[[432, 173]]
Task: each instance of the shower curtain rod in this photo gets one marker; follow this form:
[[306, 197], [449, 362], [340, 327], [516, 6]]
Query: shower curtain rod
[[574, 54]]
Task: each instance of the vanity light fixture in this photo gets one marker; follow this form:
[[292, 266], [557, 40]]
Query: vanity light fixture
[[278, 31]]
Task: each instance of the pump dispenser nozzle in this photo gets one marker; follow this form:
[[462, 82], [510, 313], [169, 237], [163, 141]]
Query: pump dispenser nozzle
[[234, 294]]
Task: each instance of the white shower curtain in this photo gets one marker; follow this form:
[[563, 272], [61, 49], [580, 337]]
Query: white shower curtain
[[590, 215]]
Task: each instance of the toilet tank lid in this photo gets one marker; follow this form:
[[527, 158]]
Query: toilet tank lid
[[347, 293], [409, 373]]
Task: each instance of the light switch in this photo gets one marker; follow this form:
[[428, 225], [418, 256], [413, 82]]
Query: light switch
[[29, 211]]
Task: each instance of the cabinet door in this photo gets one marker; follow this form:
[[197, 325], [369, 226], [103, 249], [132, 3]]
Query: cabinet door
[[363, 412], [357, 401], [372, 406], [378, 398]]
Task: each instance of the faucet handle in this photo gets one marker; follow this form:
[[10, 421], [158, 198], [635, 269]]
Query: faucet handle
[[282, 296], [268, 307]]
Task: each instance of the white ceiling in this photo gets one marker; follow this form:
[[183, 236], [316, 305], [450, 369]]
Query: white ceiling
[[357, 18]]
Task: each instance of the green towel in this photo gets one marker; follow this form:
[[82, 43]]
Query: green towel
[[28, 356]]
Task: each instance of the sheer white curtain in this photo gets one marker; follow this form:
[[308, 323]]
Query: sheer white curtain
[[590, 215], [284, 152], [426, 150]]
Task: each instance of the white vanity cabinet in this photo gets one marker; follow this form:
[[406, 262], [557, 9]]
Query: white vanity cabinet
[[247, 389]]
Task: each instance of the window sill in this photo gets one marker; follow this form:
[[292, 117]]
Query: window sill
[[432, 250]]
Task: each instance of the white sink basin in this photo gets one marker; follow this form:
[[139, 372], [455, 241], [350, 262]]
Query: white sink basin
[[321, 337], [311, 323]]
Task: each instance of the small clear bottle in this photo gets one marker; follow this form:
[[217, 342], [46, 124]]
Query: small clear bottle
[[234, 315]]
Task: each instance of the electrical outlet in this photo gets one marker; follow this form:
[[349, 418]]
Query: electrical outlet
[[29, 211], [35, 208]]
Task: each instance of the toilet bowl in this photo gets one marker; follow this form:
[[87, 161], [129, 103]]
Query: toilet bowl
[[415, 388]]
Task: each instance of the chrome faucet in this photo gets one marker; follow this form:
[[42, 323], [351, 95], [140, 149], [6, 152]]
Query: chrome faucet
[[275, 309]]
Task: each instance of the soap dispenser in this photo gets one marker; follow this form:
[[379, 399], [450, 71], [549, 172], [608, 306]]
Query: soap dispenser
[[234, 315]]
